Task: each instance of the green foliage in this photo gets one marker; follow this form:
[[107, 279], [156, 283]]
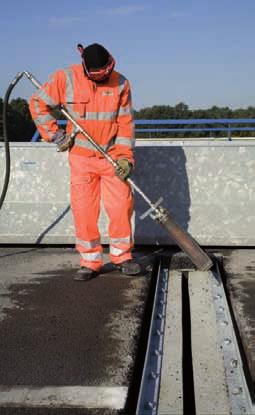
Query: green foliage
[[21, 127], [182, 111], [19, 122]]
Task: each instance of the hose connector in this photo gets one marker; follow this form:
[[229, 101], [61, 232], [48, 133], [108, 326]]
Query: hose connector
[[17, 78]]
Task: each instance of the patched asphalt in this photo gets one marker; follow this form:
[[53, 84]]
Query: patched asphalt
[[60, 332]]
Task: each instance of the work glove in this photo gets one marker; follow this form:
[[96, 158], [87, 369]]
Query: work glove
[[62, 140], [123, 169]]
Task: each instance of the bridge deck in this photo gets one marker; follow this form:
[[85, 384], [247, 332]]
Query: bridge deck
[[239, 265], [62, 337], [71, 345]]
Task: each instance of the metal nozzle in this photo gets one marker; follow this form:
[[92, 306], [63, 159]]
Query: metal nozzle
[[154, 208]]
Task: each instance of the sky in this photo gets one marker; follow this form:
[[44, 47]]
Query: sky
[[199, 52]]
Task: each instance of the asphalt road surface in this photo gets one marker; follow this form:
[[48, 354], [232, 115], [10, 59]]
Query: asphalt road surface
[[64, 342]]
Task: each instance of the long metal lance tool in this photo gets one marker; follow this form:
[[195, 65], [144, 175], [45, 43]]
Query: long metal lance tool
[[182, 238]]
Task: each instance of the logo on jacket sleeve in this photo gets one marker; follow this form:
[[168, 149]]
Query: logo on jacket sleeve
[[107, 93]]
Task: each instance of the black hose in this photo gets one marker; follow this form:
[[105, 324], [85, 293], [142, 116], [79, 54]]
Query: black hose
[[6, 139]]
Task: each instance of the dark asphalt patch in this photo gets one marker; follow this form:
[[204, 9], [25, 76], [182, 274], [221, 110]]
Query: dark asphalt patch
[[58, 411], [60, 332]]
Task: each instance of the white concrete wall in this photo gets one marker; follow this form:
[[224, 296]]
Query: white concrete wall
[[208, 186]]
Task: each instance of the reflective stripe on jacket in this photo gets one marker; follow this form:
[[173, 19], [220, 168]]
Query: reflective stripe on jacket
[[103, 109]]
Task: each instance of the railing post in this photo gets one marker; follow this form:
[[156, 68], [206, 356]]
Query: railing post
[[229, 133]]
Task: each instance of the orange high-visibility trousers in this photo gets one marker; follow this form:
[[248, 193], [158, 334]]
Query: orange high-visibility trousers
[[93, 178]]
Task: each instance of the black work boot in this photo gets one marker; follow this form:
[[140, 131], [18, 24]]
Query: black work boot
[[129, 267], [85, 274]]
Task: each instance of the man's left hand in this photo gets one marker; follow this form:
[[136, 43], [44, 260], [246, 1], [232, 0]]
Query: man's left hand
[[123, 169], [63, 141]]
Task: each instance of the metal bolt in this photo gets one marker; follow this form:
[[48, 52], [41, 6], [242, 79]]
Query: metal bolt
[[221, 308], [237, 391], [234, 362], [150, 405], [159, 332], [224, 323], [153, 375], [217, 297], [157, 352], [227, 341]]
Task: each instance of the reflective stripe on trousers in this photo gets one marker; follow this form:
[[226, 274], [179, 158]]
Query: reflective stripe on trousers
[[91, 256], [88, 244], [90, 251], [119, 246]]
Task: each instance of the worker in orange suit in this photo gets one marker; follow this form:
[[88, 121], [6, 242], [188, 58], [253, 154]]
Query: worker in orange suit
[[99, 99]]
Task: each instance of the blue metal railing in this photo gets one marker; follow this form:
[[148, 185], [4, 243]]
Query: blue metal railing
[[36, 135], [226, 125]]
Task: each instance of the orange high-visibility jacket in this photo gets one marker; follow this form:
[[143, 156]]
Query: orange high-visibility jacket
[[104, 110]]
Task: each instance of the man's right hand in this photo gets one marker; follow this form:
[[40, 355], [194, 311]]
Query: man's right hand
[[123, 168], [63, 141]]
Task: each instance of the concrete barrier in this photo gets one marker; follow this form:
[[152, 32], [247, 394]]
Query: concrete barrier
[[207, 185]]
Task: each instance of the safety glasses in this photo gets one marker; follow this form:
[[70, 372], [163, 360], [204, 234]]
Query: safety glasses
[[101, 74]]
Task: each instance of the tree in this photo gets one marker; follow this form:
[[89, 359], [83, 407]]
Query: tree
[[21, 127]]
